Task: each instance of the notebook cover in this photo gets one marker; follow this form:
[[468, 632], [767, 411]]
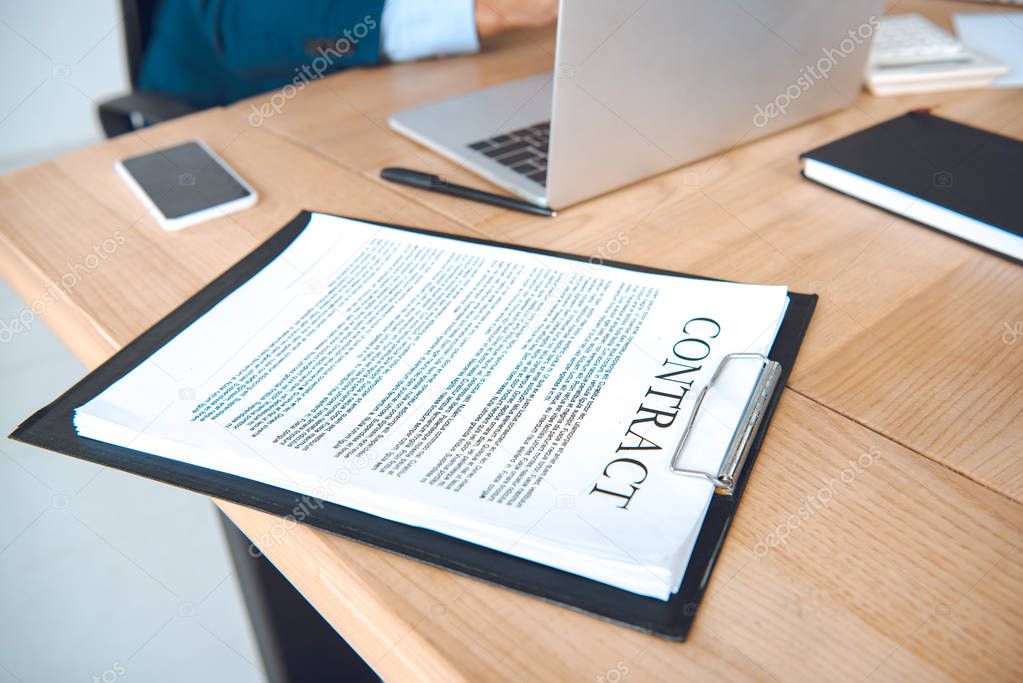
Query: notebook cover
[[964, 169], [52, 428]]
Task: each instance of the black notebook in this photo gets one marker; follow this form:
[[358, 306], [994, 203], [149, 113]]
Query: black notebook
[[582, 433], [962, 180]]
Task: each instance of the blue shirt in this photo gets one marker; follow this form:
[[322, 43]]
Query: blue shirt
[[214, 52]]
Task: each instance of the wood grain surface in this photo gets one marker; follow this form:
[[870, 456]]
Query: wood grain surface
[[880, 535]]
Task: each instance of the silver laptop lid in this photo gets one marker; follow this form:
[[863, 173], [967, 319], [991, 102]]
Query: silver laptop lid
[[642, 86]]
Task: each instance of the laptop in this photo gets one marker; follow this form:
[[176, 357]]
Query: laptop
[[643, 86]]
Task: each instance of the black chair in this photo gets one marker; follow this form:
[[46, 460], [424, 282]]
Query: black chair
[[139, 108]]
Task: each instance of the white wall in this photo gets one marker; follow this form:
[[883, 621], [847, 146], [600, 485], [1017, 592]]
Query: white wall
[[57, 59]]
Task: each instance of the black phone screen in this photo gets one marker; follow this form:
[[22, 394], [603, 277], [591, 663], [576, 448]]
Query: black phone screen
[[184, 179]]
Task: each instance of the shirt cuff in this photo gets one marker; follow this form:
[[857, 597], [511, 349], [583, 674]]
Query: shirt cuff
[[413, 29]]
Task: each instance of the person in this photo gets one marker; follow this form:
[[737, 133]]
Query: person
[[214, 52]]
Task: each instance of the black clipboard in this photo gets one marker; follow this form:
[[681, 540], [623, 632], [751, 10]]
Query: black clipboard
[[52, 428]]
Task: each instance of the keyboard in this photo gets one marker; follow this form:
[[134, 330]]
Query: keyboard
[[523, 151], [912, 55], [906, 39]]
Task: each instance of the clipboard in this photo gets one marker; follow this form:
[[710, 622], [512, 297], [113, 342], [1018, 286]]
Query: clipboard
[[52, 428]]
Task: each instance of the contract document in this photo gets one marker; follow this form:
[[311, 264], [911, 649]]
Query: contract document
[[527, 403]]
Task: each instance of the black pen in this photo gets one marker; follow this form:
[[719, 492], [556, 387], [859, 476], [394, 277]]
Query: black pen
[[434, 183]]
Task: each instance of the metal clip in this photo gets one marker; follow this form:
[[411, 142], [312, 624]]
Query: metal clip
[[742, 437]]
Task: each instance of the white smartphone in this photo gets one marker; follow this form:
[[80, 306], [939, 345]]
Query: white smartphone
[[185, 184]]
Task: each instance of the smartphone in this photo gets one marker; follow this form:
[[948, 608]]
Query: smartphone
[[185, 184]]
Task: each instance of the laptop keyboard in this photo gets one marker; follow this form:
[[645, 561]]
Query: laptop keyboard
[[523, 151]]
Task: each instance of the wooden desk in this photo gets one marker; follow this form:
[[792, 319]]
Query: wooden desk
[[910, 570]]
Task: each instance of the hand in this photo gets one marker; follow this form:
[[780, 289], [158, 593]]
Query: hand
[[494, 16]]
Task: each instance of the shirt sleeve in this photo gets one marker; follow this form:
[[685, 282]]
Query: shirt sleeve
[[413, 29]]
